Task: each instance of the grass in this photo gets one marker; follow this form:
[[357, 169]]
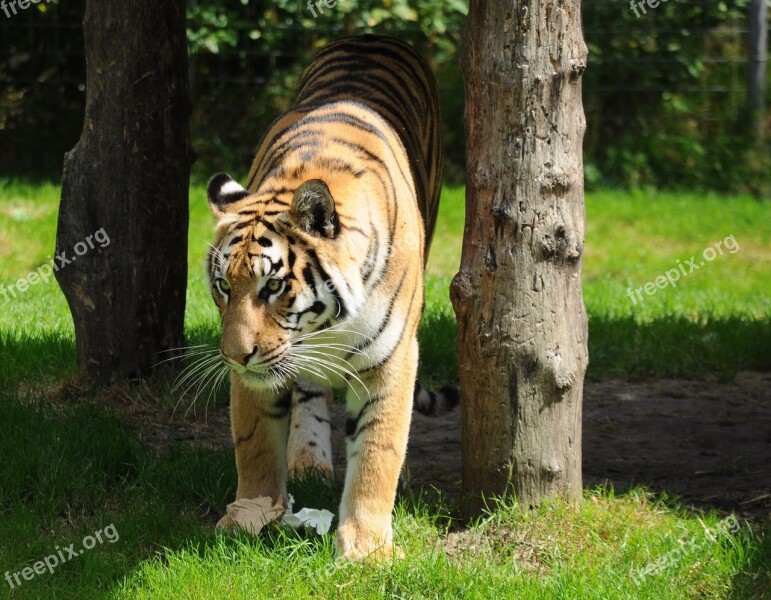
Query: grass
[[71, 467], [715, 320], [81, 471]]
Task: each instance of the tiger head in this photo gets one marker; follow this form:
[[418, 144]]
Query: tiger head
[[276, 277]]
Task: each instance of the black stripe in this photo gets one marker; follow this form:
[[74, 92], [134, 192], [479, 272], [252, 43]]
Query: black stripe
[[400, 339], [243, 439], [273, 148], [285, 327], [304, 396], [384, 322], [308, 276], [317, 308], [280, 407], [372, 253], [312, 256]]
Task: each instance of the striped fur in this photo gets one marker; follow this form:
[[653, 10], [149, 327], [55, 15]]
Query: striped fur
[[317, 270]]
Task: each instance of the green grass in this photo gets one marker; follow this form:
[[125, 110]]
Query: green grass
[[70, 467], [715, 320], [81, 471]]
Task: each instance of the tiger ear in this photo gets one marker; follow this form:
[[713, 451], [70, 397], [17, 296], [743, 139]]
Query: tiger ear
[[314, 209], [223, 190]]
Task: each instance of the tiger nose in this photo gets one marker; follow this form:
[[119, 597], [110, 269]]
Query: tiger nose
[[241, 359]]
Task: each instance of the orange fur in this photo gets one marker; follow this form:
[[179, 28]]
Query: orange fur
[[318, 276]]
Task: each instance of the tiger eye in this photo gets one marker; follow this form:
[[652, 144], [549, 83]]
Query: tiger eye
[[224, 285], [274, 285]]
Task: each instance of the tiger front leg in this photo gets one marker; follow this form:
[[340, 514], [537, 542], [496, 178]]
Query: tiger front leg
[[260, 423], [376, 444]]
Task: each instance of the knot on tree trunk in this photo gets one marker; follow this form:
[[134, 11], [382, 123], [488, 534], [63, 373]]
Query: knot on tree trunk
[[551, 469], [558, 239], [461, 291], [554, 180], [559, 373]]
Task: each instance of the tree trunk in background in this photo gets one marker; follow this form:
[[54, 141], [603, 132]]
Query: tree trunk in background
[[756, 73], [522, 327], [128, 177]]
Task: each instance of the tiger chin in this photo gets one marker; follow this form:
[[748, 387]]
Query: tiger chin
[[317, 269]]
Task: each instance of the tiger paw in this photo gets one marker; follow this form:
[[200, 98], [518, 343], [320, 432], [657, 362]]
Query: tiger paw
[[355, 541]]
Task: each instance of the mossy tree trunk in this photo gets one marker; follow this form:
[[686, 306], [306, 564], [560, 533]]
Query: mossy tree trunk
[[128, 177], [522, 327]]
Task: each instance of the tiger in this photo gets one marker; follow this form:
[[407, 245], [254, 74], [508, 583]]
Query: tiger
[[317, 270]]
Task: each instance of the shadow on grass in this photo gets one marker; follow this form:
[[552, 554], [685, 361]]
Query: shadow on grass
[[678, 347], [48, 357], [36, 358], [76, 469], [669, 346]]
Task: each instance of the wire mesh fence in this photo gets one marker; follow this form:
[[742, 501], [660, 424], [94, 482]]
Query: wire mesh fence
[[674, 75]]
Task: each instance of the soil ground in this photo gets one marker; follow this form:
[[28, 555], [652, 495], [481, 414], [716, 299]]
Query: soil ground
[[706, 442]]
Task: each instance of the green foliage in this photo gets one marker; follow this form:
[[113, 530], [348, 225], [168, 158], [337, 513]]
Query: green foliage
[[664, 95], [259, 49]]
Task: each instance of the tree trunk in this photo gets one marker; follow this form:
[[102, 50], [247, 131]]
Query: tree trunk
[[756, 72], [128, 178], [522, 327]]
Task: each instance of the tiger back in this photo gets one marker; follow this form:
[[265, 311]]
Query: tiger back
[[317, 270], [389, 77]]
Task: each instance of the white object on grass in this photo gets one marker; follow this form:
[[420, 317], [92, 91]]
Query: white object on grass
[[313, 518]]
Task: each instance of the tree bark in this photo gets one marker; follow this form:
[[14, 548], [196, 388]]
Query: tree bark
[[128, 176], [522, 327]]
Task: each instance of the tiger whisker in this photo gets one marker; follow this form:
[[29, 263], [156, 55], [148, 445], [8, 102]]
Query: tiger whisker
[[201, 383], [306, 350], [333, 328], [187, 355], [335, 346], [192, 369], [313, 370], [190, 375], [218, 255], [217, 382], [338, 370], [195, 376], [185, 348]]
